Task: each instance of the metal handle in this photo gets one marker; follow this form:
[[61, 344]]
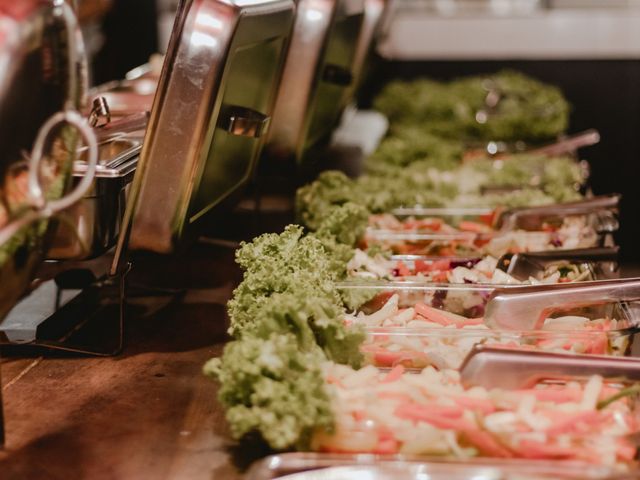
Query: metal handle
[[569, 144], [509, 219], [337, 75], [513, 369], [599, 254], [100, 114], [245, 122], [43, 208], [527, 307]]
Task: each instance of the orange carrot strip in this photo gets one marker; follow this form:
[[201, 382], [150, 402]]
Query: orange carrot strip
[[394, 374], [486, 443], [432, 314]]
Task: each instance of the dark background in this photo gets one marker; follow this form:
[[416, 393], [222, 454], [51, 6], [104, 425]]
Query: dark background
[[605, 95]]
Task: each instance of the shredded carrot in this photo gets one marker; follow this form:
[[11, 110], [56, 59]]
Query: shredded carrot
[[432, 314], [394, 374], [486, 443]]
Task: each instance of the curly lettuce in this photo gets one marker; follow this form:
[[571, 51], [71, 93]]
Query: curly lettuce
[[272, 387]]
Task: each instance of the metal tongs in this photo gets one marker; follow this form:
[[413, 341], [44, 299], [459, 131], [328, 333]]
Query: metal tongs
[[512, 369], [531, 218], [42, 208], [569, 144], [527, 307], [523, 266]]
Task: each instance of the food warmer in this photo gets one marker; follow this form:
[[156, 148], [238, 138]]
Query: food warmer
[[205, 132]]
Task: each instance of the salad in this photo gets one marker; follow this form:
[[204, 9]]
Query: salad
[[431, 413], [435, 237], [421, 335], [478, 270]]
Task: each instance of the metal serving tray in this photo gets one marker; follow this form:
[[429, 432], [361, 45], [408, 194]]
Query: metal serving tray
[[212, 106], [592, 264], [318, 75], [527, 224], [43, 54], [91, 227], [316, 466], [432, 336]]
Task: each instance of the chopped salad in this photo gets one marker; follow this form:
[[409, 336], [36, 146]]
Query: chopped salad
[[422, 335], [458, 270], [431, 413], [435, 237]]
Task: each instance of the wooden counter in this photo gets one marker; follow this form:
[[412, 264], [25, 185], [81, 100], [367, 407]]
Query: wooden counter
[[146, 414]]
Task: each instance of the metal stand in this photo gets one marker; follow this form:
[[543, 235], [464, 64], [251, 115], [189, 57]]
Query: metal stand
[[72, 307]]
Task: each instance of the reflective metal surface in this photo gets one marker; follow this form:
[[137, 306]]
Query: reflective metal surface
[[522, 266], [373, 13], [512, 369], [532, 217], [91, 226], [368, 466], [318, 75], [570, 144], [224, 57], [526, 308]]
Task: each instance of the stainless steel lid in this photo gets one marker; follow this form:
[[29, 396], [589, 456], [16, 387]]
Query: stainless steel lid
[[318, 75], [374, 11], [212, 106]]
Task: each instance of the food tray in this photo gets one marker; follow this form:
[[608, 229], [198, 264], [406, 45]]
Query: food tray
[[324, 466], [412, 325], [475, 237], [537, 269], [432, 413]]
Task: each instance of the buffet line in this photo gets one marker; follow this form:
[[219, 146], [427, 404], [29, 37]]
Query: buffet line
[[455, 311]]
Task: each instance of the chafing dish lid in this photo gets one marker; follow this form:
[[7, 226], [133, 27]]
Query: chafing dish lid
[[318, 75], [212, 105]]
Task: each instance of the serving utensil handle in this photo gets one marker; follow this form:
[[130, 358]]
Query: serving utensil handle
[[504, 368], [569, 144], [527, 307], [598, 254], [510, 218]]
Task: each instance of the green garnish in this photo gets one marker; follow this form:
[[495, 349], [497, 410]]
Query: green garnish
[[625, 392]]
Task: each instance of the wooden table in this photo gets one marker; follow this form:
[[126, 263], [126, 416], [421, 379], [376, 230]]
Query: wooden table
[[148, 413]]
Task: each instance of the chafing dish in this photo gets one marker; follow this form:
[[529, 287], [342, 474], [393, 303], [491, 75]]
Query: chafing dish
[[42, 50], [211, 108], [317, 76], [91, 226]]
